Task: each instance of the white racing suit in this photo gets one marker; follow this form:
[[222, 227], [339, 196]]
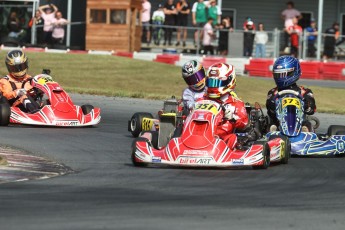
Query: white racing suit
[[189, 97]]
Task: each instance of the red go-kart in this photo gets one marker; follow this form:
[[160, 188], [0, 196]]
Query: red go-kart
[[198, 146], [56, 107]]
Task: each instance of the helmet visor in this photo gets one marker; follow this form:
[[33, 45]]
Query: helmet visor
[[283, 73], [195, 78], [216, 83], [18, 67]]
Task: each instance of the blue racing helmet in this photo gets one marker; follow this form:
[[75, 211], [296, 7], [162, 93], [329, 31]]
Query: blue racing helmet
[[286, 71]]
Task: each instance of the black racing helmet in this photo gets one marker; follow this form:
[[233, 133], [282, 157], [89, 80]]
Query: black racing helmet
[[17, 63]]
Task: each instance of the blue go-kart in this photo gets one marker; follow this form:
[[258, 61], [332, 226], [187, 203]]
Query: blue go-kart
[[290, 113]]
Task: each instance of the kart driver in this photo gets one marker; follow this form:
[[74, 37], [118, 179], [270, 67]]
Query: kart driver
[[194, 75], [15, 85], [286, 72], [220, 84]]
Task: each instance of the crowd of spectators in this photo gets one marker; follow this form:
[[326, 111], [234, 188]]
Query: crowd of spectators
[[175, 15], [17, 26]]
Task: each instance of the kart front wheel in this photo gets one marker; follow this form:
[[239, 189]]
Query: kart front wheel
[[265, 154], [134, 148], [336, 130], [5, 112], [86, 109], [286, 148], [135, 124]]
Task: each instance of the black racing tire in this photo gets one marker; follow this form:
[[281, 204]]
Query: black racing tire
[[266, 154], [287, 149], [86, 109], [135, 124], [335, 130], [154, 140], [178, 131], [135, 163], [5, 111]]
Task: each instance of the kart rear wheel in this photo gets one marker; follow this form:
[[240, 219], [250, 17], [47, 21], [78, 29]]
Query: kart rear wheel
[[336, 130], [5, 112], [135, 124], [287, 148], [86, 109], [266, 155], [134, 161]]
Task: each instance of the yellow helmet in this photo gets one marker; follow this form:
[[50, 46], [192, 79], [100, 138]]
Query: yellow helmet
[[17, 63]]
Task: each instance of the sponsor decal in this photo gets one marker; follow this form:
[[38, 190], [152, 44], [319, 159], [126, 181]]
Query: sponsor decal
[[195, 152], [195, 160], [156, 159], [340, 146], [279, 67], [67, 123], [237, 161]]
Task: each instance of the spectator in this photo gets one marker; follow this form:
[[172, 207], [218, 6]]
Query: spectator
[[183, 10], [39, 22], [287, 15], [223, 41], [58, 28], [248, 39], [261, 38], [48, 14], [145, 19], [199, 13], [294, 31], [14, 27], [208, 36], [170, 18], [248, 19], [158, 19], [331, 36], [214, 12], [312, 35]]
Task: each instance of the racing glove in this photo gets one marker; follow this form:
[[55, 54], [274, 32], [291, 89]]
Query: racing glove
[[20, 92], [229, 111]]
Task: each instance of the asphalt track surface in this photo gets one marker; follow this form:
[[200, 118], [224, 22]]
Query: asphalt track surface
[[107, 192]]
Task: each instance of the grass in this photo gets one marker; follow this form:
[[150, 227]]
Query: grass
[[124, 77]]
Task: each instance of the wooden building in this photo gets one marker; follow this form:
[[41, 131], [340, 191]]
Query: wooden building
[[113, 25]]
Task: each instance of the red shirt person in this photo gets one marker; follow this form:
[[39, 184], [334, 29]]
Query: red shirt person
[[294, 31]]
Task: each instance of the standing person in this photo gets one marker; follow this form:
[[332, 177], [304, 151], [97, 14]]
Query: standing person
[[39, 22], [183, 10], [223, 41], [48, 14], [287, 15], [208, 36], [14, 27], [170, 20], [331, 36], [58, 28], [312, 35], [158, 19], [214, 12], [261, 38], [199, 14], [15, 85], [294, 31], [248, 39], [145, 20]]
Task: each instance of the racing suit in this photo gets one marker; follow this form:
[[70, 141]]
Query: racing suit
[[10, 87], [189, 97], [225, 130], [308, 98]]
